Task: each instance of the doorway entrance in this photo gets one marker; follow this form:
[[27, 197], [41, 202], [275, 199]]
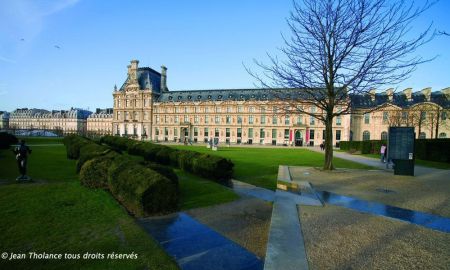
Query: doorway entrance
[[298, 138]]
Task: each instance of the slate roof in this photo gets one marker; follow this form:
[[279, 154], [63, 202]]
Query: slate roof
[[399, 99], [147, 76], [232, 95]]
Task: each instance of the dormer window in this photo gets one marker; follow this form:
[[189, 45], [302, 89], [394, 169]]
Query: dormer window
[[170, 97], [253, 96], [209, 97], [264, 96], [189, 97], [180, 97], [199, 97], [242, 96], [219, 97], [230, 96]]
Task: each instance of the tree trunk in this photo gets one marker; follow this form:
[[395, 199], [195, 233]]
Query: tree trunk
[[437, 123], [328, 164]]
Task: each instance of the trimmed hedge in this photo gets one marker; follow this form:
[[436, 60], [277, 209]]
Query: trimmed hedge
[[433, 149], [89, 151], [213, 167], [425, 149], [142, 190], [73, 145], [7, 139], [94, 173]]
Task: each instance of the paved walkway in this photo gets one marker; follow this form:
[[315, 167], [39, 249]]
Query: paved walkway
[[197, 247], [418, 170]]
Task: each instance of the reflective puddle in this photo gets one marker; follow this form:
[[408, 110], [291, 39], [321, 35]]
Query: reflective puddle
[[195, 246], [419, 218]]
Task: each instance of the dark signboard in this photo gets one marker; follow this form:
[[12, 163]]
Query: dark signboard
[[401, 143], [401, 149]]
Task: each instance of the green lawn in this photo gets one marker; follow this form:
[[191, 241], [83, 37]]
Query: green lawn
[[58, 215], [197, 192], [259, 166]]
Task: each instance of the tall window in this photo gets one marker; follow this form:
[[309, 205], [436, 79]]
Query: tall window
[[299, 120], [196, 119], [157, 119], [251, 109], [217, 109], [366, 118], [217, 119], [250, 133], [274, 133], [444, 116], [206, 119], [338, 120], [186, 119], [175, 132], [195, 131], [274, 120], [227, 132], [216, 132], [366, 135], [286, 134], [338, 135], [312, 120], [228, 117], [250, 119], [385, 117], [384, 135], [263, 119], [239, 119], [205, 132], [228, 109], [286, 120], [176, 118], [239, 108], [262, 134], [311, 134], [239, 132]]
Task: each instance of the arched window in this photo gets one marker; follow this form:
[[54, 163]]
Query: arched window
[[422, 135], [442, 135], [366, 136], [384, 135]]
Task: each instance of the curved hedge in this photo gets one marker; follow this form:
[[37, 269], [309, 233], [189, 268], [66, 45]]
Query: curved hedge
[[89, 151], [213, 167], [73, 145], [94, 172], [142, 190]]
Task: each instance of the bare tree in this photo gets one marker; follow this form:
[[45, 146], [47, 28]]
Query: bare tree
[[340, 48]]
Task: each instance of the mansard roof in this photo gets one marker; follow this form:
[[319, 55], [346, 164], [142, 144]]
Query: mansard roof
[[147, 78], [399, 99], [232, 95]]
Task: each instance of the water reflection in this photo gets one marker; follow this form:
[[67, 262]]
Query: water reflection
[[419, 218], [195, 246]]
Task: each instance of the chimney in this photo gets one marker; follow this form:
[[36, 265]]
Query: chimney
[[390, 93], [408, 93], [164, 79], [372, 93], [427, 93], [446, 92], [132, 71]]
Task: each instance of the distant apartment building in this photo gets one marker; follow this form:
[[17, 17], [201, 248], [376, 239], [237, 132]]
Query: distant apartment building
[[100, 122], [65, 121], [4, 120]]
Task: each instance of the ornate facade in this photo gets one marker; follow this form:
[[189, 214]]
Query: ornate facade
[[65, 121], [145, 109], [4, 120], [100, 122]]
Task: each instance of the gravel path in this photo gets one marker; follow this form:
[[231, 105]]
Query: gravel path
[[245, 221], [339, 238], [429, 193]]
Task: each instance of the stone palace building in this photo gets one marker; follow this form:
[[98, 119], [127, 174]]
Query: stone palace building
[[145, 109]]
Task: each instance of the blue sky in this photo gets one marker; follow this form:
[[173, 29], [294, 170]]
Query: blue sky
[[203, 43]]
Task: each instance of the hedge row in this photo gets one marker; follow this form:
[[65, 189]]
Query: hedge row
[[213, 167], [365, 147], [143, 188], [6, 140], [425, 149]]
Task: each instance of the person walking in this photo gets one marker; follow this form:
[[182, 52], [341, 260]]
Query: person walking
[[383, 153], [22, 151]]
